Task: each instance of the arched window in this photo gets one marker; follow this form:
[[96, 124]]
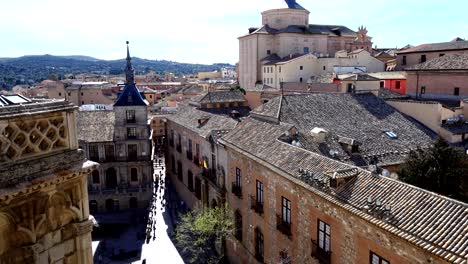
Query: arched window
[[96, 179], [111, 178], [259, 245]]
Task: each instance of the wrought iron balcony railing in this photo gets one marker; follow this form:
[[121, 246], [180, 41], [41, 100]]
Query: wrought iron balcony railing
[[283, 226], [256, 205], [323, 256], [236, 190]]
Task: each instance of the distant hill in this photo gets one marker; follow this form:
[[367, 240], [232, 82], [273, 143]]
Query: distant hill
[[36, 68]]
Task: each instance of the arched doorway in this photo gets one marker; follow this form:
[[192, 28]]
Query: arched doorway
[[111, 178], [93, 206], [133, 204]]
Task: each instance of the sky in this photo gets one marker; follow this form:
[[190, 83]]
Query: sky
[[205, 31]]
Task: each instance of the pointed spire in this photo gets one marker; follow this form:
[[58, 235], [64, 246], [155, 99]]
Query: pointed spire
[[129, 72]]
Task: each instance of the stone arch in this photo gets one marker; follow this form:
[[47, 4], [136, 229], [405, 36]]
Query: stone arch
[[111, 178]]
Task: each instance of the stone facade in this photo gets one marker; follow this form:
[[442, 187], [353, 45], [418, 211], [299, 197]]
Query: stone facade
[[352, 239], [44, 214]]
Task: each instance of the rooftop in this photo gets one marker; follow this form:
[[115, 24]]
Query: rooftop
[[425, 219], [95, 126], [312, 29], [216, 119], [362, 117], [447, 62], [453, 45], [222, 97]]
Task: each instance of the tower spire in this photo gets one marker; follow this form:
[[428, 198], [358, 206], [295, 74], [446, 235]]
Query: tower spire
[[129, 72]]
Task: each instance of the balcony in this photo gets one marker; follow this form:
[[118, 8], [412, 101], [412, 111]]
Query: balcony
[[131, 121], [210, 174], [256, 205], [131, 137], [282, 226], [323, 256], [196, 161], [179, 148], [236, 190], [189, 155]]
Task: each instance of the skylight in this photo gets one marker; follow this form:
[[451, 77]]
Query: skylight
[[391, 134]]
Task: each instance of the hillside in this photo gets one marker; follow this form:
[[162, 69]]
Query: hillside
[[32, 69]]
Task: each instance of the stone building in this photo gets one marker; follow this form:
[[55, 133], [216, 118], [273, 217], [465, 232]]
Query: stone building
[[295, 204], [287, 31], [415, 55], [120, 141], [443, 77], [44, 215], [195, 163]]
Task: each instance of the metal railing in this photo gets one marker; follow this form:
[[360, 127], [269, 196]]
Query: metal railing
[[256, 205], [236, 190], [323, 256], [283, 226]]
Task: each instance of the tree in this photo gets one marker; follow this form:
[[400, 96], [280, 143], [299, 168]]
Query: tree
[[442, 169], [199, 233], [239, 89]]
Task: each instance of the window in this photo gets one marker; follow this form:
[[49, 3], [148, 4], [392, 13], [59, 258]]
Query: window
[[238, 177], [60, 94], [423, 58], [264, 69], [403, 62], [397, 85], [423, 89], [190, 180], [109, 151], [173, 168], [93, 152], [96, 179], [323, 236], [179, 171], [69, 94], [456, 91], [285, 210], [259, 192], [279, 69], [130, 116], [238, 225], [376, 259], [131, 133], [259, 245], [81, 94], [198, 188], [382, 83], [300, 79], [301, 67], [442, 54], [306, 50], [324, 68], [197, 150], [133, 174], [268, 52], [132, 152]]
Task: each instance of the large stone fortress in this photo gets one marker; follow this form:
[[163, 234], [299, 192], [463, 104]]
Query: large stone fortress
[[44, 215], [287, 31]]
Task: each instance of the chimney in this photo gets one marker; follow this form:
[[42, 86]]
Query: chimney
[[319, 134], [340, 177]]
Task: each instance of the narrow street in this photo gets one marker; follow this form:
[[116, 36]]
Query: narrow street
[[156, 246]]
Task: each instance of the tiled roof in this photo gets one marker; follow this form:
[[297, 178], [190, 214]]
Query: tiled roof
[[456, 45], [388, 75], [447, 62], [95, 126], [430, 221], [386, 94], [312, 29], [188, 117], [130, 96], [223, 97], [356, 77], [362, 117]]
